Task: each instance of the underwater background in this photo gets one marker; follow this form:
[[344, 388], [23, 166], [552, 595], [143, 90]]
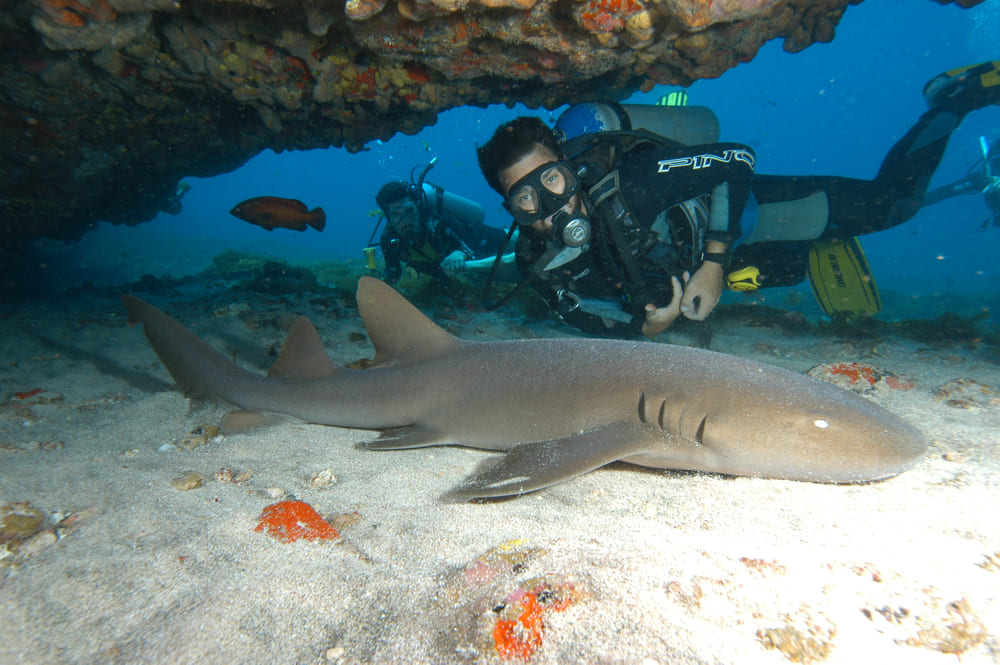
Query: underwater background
[[833, 109]]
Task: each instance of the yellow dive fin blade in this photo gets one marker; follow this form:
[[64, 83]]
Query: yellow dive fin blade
[[841, 279]]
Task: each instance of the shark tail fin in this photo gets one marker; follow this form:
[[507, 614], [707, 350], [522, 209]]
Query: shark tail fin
[[200, 371]]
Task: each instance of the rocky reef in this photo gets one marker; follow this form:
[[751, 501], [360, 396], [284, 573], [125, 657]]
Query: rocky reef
[[106, 104]]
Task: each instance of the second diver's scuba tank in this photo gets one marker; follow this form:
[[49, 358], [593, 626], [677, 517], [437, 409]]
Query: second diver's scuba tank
[[435, 200]]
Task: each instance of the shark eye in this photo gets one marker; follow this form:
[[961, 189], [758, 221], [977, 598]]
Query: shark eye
[[822, 424]]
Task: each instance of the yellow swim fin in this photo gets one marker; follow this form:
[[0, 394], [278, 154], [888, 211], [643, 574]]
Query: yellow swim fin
[[841, 279]]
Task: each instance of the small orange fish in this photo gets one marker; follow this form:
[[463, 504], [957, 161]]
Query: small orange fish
[[271, 212]]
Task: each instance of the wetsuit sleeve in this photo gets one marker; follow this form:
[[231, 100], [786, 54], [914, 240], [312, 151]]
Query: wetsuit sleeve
[[654, 178], [474, 238], [489, 241], [483, 240]]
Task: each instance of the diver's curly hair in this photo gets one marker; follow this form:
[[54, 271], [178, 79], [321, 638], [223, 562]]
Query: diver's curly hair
[[390, 193], [512, 141]]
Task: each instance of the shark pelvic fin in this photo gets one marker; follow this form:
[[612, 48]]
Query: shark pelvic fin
[[533, 466], [235, 422], [411, 436], [399, 331], [302, 356]]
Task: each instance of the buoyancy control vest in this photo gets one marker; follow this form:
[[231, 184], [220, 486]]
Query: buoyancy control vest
[[641, 258]]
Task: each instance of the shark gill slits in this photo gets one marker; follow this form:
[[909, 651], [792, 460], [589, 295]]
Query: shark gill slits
[[662, 413], [700, 434], [642, 408]]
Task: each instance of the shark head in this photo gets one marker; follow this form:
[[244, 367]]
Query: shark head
[[813, 431]]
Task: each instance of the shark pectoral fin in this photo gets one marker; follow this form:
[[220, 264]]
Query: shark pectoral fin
[[235, 422], [533, 466], [411, 436]]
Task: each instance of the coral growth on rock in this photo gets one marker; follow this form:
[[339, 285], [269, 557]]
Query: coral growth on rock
[[106, 104]]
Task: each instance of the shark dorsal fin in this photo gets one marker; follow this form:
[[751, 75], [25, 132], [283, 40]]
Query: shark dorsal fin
[[302, 356], [399, 331]]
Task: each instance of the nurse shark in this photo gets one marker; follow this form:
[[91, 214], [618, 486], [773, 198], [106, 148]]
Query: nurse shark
[[557, 408]]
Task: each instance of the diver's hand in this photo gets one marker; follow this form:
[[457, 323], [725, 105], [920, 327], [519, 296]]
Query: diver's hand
[[702, 291], [454, 263], [659, 319]]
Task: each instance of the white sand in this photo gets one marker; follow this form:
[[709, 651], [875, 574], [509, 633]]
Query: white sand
[[664, 567]]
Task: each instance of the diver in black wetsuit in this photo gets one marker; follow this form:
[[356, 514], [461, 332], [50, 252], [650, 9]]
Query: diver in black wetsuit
[[624, 231], [433, 231], [983, 178]]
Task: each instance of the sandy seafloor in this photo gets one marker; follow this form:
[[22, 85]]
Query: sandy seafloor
[[660, 567]]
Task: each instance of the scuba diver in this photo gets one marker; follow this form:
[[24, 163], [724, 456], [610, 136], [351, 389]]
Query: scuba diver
[[983, 178], [172, 204], [435, 232], [624, 230]]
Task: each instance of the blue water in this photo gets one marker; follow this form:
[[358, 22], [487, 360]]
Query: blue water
[[833, 109]]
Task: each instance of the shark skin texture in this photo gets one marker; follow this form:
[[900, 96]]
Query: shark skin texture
[[557, 408]]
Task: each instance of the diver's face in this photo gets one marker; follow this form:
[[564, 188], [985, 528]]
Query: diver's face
[[405, 218], [554, 180]]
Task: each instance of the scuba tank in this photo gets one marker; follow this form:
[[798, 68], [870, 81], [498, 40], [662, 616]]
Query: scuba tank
[[435, 200], [689, 125]]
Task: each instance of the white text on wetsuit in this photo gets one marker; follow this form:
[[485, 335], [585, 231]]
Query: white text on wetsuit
[[702, 161]]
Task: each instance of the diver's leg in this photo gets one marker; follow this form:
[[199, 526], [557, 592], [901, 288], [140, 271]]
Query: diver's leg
[[856, 207], [796, 208], [906, 172], [907, 169]]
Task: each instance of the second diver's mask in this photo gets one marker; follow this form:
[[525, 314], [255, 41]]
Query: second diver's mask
[[404, 216], [541, 194]]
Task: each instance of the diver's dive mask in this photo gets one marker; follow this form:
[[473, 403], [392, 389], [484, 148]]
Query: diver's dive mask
[[404, 216], [541, 194]]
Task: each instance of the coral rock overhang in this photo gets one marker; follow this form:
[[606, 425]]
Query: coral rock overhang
[[106, 104]]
